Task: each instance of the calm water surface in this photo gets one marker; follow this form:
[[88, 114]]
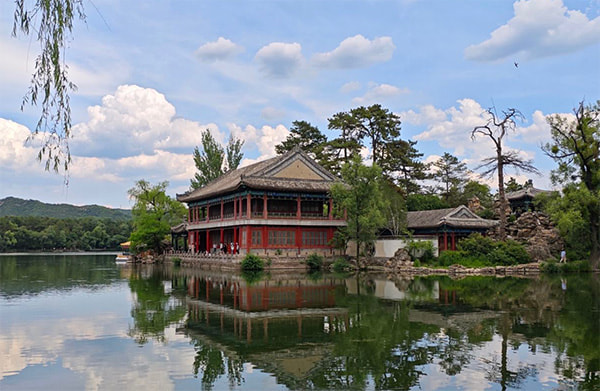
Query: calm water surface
[[81, 322]]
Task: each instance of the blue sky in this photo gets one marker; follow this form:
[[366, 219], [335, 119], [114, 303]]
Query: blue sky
[[152, 75]]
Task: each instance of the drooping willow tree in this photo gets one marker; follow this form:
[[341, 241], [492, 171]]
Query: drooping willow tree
[[52, 23]]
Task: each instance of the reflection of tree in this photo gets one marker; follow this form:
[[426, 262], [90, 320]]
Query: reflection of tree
[[154, 309], [380, 343], [213, 362], [576, 333], [499, 372]]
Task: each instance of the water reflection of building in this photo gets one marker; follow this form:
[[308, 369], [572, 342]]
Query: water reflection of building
[[244, 310]]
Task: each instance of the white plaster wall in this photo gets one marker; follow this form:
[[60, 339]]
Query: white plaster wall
[[386, 248]]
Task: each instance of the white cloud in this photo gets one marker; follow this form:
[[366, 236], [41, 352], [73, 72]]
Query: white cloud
[[356, 52], [539, 28], [279, 59], [453, 129], [350, 86], [135, 121], [263, 139], [379, 92], [219, 50], [15, 153]]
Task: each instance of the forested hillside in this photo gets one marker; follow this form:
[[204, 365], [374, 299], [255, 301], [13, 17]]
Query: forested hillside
[[31, 233], [12, 206]]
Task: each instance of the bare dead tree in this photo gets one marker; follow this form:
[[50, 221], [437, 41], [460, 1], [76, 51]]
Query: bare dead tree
[[496, 129]]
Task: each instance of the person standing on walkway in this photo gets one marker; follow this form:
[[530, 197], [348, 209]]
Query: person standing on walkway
[[563, 256]]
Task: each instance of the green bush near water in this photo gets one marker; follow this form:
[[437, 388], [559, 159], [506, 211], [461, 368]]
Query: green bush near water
[[478, 251], [253, 262], [314, 262], [341, 265]]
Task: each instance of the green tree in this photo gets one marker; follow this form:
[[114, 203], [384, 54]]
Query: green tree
[[575, 146], [305, 136], [360, 196], [403, 165], [395, 211], [374, 123], [154, 212], [451, 173], [214, 160], [415, 202], [52, 22], [513, 185], [496, 129], [233, 153]]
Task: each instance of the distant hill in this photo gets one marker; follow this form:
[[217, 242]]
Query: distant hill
[[12, 206]]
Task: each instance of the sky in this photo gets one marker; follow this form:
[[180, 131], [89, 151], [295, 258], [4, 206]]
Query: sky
[[151, 76]]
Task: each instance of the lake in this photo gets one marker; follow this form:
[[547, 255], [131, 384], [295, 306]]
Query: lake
[[82, 322]]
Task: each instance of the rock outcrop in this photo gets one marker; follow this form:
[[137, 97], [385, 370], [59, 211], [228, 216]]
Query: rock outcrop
[[535, 230]]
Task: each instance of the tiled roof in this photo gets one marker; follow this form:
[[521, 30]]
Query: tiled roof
[[455, 217], [261, 176], [526, 192]]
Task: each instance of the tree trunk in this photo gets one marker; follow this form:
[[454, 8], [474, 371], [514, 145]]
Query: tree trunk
[[595, 234], [501, 196]]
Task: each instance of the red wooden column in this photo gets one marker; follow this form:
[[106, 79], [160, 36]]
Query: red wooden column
[[208, 241], [248, 238], [234, 208], [330, 211], [445, 240], [298, 209], [241, 207], [222, 235], [248, 206], [265, 206], [235, 238], [265, 241], [453, 241], [298, 239]]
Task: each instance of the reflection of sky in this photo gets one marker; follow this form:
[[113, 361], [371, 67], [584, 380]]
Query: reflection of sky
[[489, 354], [78, 340]]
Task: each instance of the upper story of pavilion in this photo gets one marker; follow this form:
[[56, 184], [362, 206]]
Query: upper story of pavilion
[[291, 189]]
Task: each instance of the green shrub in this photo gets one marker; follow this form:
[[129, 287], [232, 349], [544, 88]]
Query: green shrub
[[252, 262], [314, 262], [341, 265], [476, 245], [176, 261], [485, 251], [421, 250], [417, 263], [448, 258]]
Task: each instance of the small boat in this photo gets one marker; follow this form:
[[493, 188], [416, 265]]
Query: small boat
[[123, 258]]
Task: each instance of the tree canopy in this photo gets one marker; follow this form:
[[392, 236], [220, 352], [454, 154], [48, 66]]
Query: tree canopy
[[154, 213], [360, 196], [575, 146], [214, 160]]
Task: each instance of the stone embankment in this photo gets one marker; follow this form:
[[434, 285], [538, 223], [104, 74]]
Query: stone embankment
[[401, 263]]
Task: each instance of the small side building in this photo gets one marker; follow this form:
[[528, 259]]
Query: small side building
[[447, 225], [522, 200], [280, 205]]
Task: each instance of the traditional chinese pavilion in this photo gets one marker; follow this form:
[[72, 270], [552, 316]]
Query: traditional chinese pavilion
[[281, 203], [448, 225]]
